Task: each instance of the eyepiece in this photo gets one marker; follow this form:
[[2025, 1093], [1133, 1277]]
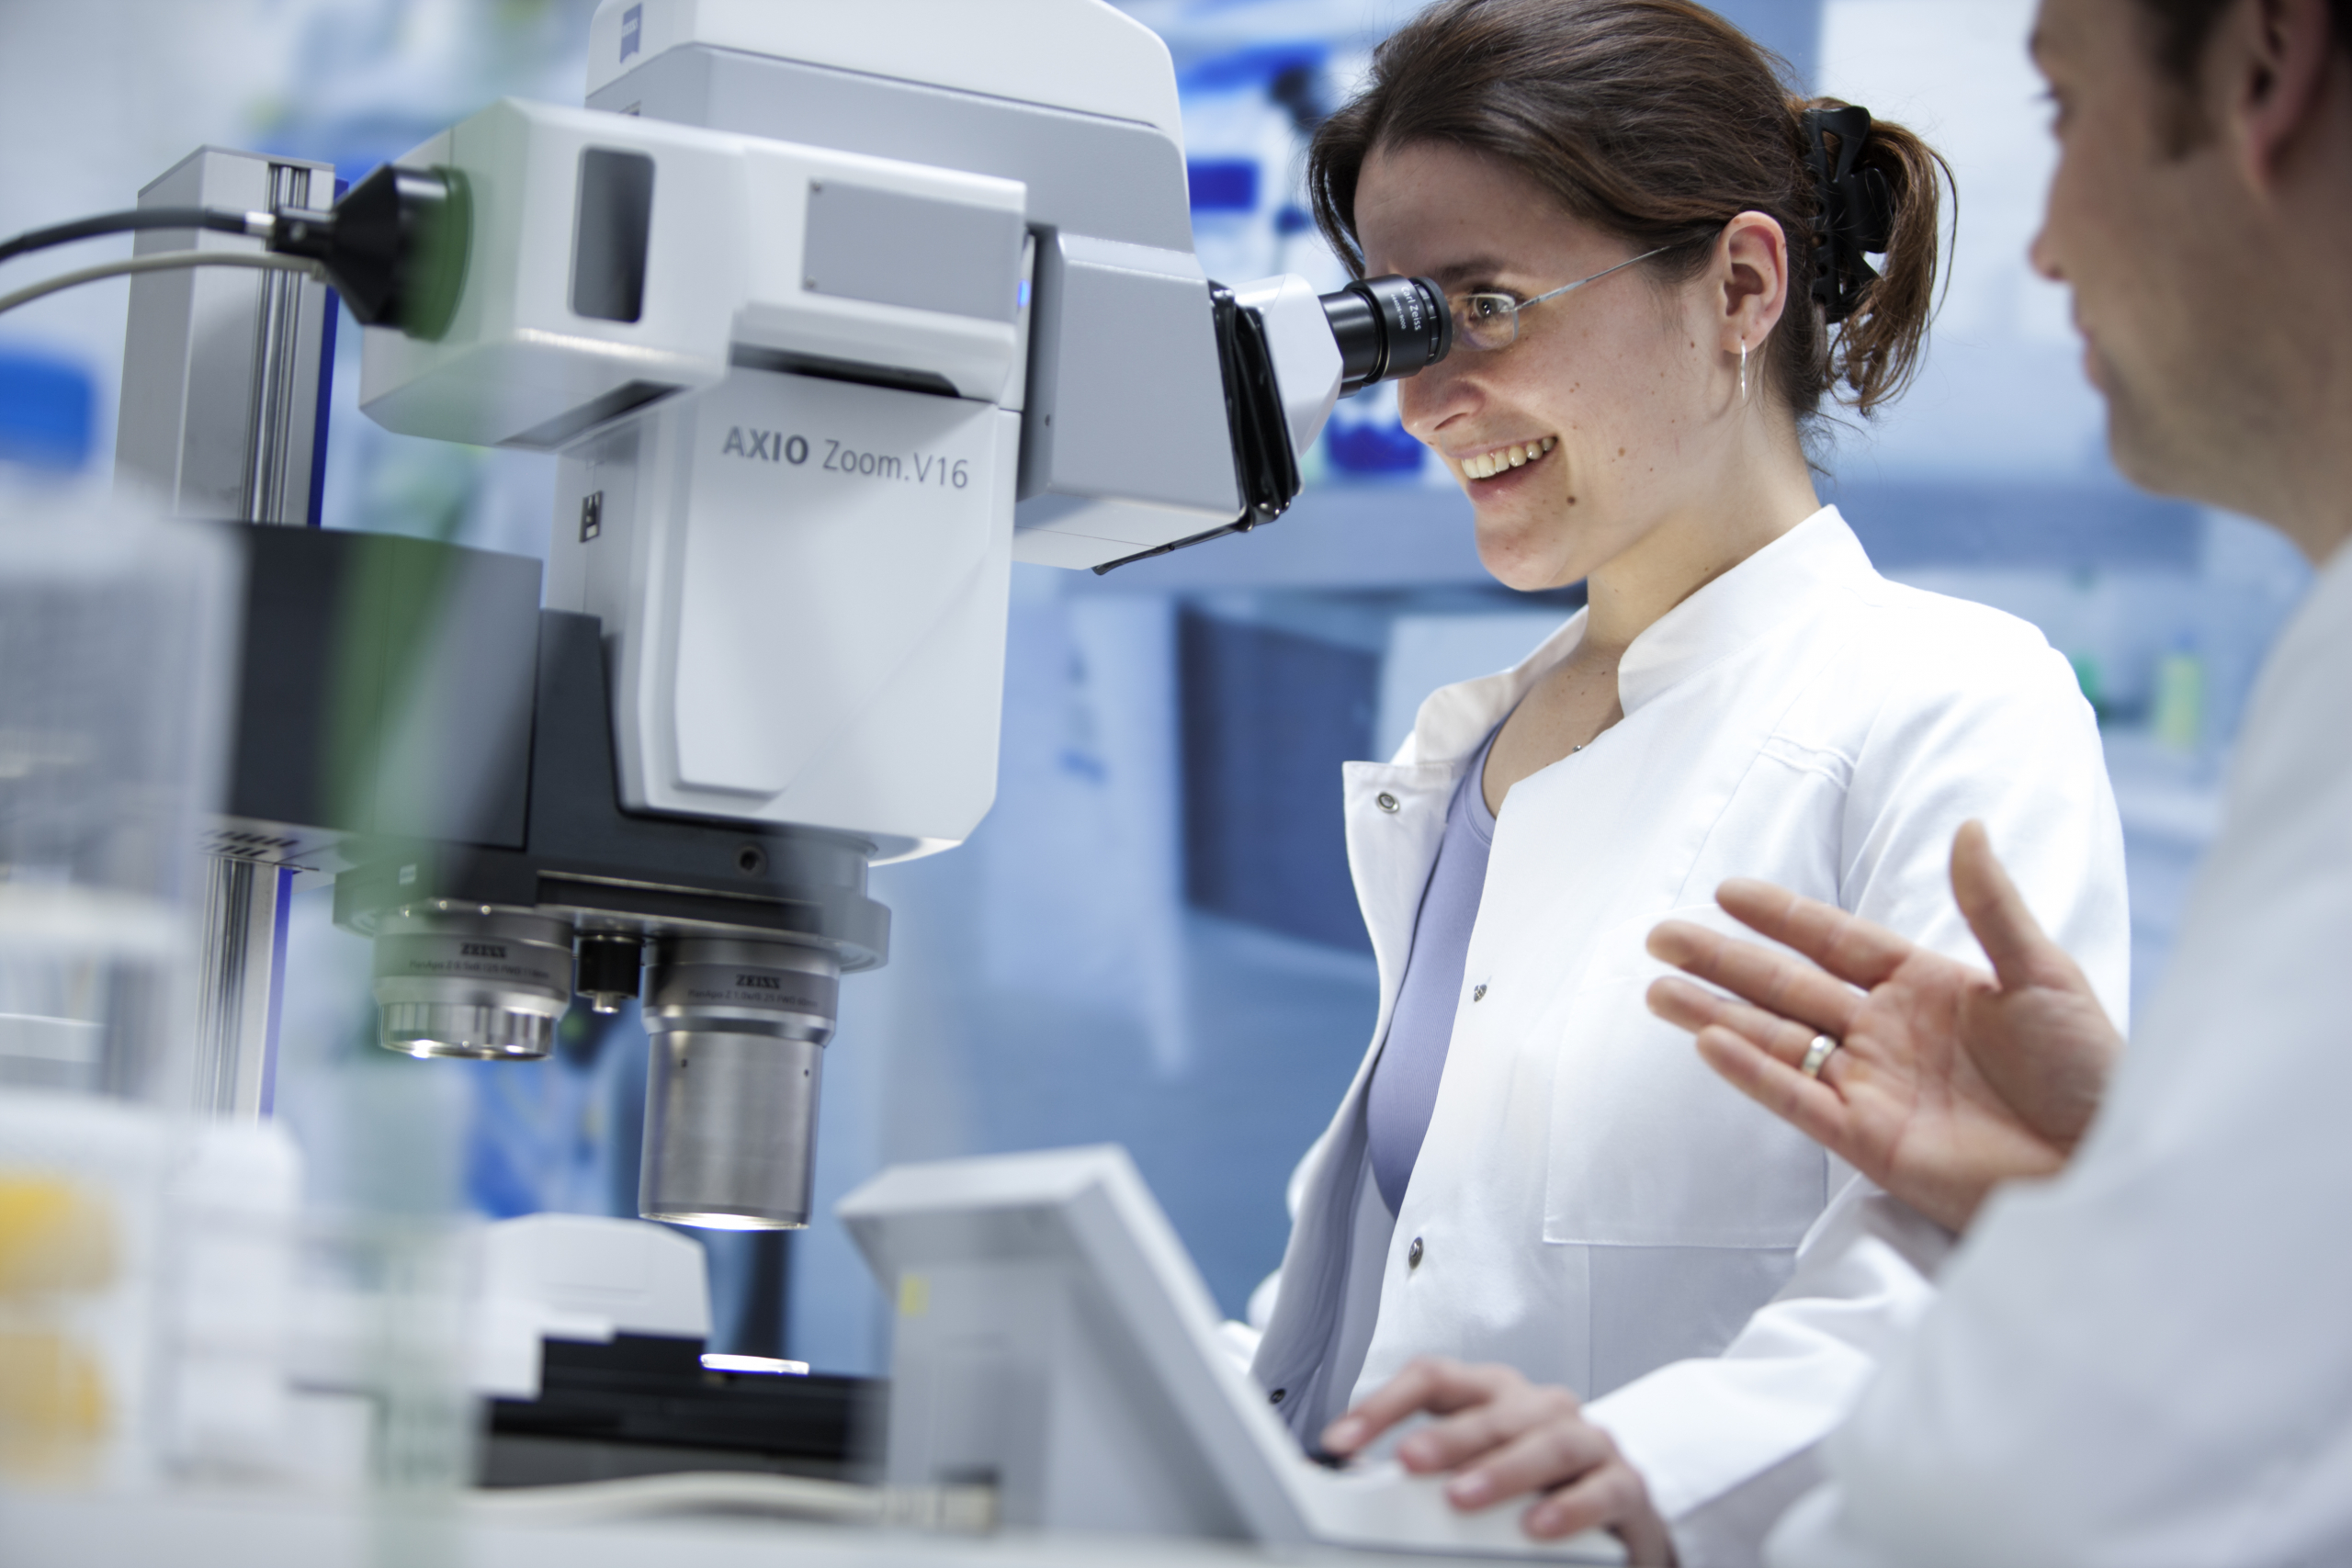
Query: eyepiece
[[1388, 328]]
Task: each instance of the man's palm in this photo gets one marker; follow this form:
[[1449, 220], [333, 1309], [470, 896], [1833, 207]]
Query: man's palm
[[1948, 1080]]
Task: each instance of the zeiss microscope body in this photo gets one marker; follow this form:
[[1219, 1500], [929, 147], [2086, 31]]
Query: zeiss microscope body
[[830, 314]]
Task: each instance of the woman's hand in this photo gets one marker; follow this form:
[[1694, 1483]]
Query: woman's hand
[[1948, 1081], [1507, 1436]]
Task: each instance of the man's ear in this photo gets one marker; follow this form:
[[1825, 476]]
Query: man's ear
[[2269, 62]]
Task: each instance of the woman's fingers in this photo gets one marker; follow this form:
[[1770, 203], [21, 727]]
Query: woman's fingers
[[1548, 1453], [1847, 945], [1517, 1407], [1612, 1498], [1508, 1437], [1428, 1383], [1788, 987]]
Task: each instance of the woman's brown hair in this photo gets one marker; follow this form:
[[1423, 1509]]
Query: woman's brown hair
[[1657, 122]]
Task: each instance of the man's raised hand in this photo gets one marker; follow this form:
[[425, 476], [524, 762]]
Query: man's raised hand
[[1948, 1081]]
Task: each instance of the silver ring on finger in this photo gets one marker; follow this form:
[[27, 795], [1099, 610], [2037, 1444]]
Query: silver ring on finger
[[1816, 1054]]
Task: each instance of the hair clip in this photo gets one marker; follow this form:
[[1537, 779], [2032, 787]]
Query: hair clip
[[1857, 209]]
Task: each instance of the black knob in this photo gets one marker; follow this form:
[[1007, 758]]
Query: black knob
[[608, 969]]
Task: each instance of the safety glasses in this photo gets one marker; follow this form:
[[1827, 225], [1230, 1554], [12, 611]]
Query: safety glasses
[[1489, 322]]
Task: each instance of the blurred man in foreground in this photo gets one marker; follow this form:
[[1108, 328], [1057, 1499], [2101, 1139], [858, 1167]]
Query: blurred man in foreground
[[2144, 1352]]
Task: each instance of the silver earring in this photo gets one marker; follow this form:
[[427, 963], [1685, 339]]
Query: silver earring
[[1743, 371]]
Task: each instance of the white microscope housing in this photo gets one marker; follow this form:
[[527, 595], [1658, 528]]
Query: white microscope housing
[[831, 314]]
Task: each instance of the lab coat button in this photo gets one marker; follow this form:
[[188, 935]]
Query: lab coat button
[[1413, 1254], [1386, 801], [1477, 993], [1276, 1397]]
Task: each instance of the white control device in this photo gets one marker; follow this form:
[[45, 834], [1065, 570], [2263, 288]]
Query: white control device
[[1053, 1337]]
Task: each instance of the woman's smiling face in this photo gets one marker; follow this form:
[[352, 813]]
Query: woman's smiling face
[[1577, 442]]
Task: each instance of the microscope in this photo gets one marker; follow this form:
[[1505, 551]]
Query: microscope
[[830, 315]]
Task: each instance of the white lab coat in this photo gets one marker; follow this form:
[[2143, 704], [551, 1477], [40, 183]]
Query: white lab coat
[[2148, 1362], [1592, 1204]]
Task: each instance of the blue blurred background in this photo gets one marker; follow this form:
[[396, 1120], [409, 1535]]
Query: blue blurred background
[[1151, 940]]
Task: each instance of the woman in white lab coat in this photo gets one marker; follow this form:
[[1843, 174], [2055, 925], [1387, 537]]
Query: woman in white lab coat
[[1675, 1293]]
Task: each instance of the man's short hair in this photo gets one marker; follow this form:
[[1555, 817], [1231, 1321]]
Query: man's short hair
[[2178, 32]]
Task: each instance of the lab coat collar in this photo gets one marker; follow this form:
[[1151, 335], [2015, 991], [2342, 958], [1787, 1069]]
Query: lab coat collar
[[1454, 721], [1775, 583]]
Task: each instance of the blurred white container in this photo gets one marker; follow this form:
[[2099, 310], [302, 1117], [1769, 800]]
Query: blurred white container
[[146, 1286], [115, 640]]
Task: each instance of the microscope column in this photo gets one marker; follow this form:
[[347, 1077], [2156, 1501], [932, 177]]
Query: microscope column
[[224, 381]]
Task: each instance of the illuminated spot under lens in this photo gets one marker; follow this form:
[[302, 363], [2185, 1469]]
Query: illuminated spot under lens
[[717, 1222], [713, 1361]]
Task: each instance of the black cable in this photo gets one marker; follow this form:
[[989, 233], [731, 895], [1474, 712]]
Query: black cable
[[125, 222]]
